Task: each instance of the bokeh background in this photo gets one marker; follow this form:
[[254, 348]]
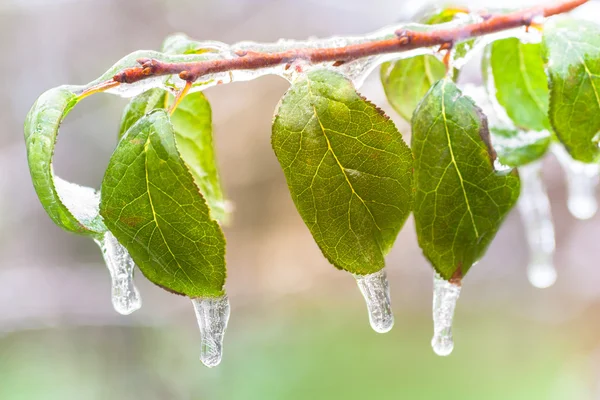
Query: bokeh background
[[299, 328]]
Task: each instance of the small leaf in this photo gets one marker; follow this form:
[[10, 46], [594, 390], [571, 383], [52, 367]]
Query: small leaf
[[515, 75], [572, 51], [72, 207], [516, 147], [152, 206], [192, 121], [182, 44], [406, 81], [460, 199], [141, 105], [441, 15], [347, 167]]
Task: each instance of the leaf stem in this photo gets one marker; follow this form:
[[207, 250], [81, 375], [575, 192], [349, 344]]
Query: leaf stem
[[404, 40], [99, 88], [180, 97]]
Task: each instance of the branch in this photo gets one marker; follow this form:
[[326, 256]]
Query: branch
[[404, 40]]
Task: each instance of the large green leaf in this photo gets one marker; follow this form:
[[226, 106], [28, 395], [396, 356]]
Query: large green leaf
[[348, 170], [72, 207], [460, 199], [515, 76], [152, 206], [406, 81], [192, 121], [572, 51]]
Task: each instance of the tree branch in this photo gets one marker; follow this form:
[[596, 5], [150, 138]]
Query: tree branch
[[404, 40]]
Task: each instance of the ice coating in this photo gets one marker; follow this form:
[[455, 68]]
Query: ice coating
[[125, 296], [376, 291], [213, 315], [445, 295], [82, 201], [582, 181], [534, 208], [356, 70]]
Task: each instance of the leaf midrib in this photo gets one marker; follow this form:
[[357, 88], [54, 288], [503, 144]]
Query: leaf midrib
[[460, 178], [527, 79], [155, 217], [330, 149]]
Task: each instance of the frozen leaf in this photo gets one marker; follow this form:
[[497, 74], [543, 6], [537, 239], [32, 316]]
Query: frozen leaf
[[572, 52], [516, 78], [152, 206], [516, 147], [192, 122], [460, 200], [347, 168], [72, 207], [406, 81]]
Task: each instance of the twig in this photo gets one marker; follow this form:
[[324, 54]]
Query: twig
[[404, 40]]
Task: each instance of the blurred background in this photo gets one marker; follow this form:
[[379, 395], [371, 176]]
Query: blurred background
[[299, 328]]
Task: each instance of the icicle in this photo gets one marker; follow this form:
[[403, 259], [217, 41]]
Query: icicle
[[125, 296], [376, 291], [212, 314], [445, 295], [582, 180], [534, 208]]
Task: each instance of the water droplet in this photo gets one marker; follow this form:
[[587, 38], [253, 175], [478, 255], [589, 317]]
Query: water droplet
[[125, 296], [541, 275], [534, 207], [445, 295], [213, 315], [376, 291], [582, 181]]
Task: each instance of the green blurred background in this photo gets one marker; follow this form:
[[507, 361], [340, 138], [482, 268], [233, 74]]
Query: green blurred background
[[299, 328]]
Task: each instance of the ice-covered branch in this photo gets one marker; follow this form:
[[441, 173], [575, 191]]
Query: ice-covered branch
[[265, 56]]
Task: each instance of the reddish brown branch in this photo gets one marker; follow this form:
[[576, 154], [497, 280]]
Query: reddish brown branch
[[404, 40]]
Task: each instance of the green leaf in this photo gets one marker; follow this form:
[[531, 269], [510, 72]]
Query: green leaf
[[347, 167], [572, 51], [182, 44], [441, 16], [515, 75], [141, 105], [406, 81], [460, 199], [516, 147], [192, 121], [152, 206], [72, 207]]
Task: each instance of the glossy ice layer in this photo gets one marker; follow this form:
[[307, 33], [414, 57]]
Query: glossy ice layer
[[445, 296], [582, 182], [376, 291], [213, 315], [125, 296], [534, 208]]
